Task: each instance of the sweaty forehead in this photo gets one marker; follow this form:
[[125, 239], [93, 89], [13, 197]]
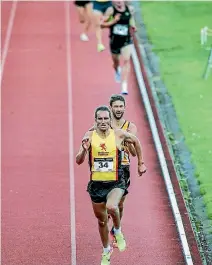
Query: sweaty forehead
[[118, 103], [103, 114]]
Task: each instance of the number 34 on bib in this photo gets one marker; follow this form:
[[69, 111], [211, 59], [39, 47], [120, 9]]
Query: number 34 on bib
[[103, 164]]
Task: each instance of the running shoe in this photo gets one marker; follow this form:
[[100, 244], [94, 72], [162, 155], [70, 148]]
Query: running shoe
[[106, 257], [120, 241], [114, 242], [124, 89], [84, 37], [100, 47]]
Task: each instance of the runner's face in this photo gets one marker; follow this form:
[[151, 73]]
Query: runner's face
[[119, 4], [118, 109], [103, 120]]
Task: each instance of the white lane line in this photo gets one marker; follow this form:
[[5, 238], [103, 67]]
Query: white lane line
[[71, 134], [8, 36], [161, 156]]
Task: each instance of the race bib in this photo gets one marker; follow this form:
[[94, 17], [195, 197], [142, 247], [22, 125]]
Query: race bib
[[120, 30], [103, 164]]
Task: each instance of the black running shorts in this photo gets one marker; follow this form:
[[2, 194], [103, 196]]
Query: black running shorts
[[126, 170], [99, 190], [117, 44], [81, 3]]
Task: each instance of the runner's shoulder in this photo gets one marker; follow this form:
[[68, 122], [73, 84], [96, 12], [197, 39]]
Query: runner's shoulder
[[89, 133], [132, 128], [131, 9]]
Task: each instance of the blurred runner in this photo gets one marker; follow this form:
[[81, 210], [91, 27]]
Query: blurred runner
[[120, 39], [84, 9], [100, 7]]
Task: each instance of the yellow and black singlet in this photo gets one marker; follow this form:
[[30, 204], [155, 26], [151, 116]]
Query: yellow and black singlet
[[104, 158], [125, 153]]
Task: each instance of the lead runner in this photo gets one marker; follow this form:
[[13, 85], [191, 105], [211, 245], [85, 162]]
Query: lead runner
[[107, 184]]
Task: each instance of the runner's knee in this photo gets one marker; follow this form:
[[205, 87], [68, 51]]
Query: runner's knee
[[126, 61], [102, 221], [111, 208]]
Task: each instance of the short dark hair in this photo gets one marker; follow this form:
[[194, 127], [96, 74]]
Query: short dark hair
[[102, 108], [116, 97]]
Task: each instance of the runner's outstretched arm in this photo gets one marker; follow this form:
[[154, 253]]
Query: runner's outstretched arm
[[130, 138], [108, 19], [80, 157]]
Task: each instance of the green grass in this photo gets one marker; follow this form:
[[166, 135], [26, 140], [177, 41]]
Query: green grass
[[174, 30]]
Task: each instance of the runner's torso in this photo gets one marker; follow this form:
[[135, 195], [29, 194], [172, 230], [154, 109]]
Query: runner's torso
[[104, 158], [121, 30], [125, 152]]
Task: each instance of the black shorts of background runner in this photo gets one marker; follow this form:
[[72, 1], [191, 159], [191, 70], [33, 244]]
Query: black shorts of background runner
[[126, 170], [82, 3], [99, 190], [117, 45]]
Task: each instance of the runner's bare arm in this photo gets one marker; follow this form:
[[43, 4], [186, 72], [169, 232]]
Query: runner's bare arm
[[108, 19], [133, 130], [92, 128], [84, 148], [131, 139], [132, 20]]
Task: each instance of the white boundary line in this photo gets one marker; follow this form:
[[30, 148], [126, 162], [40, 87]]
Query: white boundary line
[[71, 142], [8, 36], [3, 60], [162, 159]]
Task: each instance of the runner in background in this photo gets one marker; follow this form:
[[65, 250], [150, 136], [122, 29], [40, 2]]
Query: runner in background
[[100, 7], [84, 9], [120, 39]]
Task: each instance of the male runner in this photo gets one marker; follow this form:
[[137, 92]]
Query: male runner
[[120, 39], [107, 184], [117, 107], [100, 7], [84, 9]]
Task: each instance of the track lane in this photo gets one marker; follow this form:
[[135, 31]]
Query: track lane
[[148, 221], [35, 155], [35, 177]]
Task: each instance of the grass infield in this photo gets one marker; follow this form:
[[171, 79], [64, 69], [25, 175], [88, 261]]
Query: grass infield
[[174, 30]]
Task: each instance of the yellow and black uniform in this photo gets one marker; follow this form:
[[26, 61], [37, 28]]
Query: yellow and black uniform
[[105, 167], [126, 159]]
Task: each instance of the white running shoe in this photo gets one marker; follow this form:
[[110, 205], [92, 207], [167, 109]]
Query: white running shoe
[[124, 90], [84, 37]]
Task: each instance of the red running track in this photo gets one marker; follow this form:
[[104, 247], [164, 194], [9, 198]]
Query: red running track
[[37, 150]]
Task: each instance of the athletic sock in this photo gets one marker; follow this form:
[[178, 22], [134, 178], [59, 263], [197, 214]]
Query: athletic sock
[[117, 231], [107, 249]]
